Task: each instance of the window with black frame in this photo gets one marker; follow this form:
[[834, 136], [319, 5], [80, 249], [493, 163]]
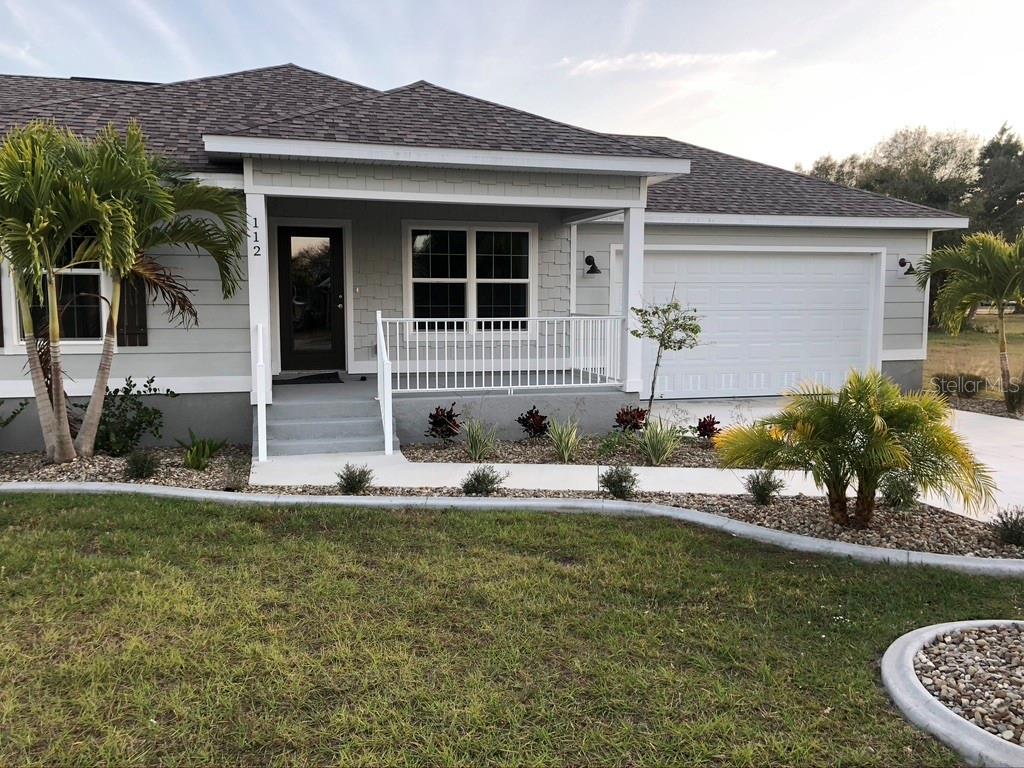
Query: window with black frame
[[502, 278], [439, 277], [79, 299]]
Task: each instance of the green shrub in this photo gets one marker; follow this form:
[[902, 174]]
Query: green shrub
[[614, 443], [199, 451], [483, 481], [565, 436], [965, 385], [620, 482], [899, 491], [860, 433], [141, 465], [126, 418], [764, 485], [658, 442], [480, 440], [1009, 526], [353, 480]]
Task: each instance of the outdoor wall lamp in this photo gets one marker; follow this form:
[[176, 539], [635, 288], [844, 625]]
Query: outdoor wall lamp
[[594, 269], [908, 264]]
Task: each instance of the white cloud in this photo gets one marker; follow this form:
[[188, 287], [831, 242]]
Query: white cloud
[[21, 54], [654, 61]]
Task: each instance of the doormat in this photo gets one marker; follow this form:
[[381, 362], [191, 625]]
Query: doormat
[[331, 377]]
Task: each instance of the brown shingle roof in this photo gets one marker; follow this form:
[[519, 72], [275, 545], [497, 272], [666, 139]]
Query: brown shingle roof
[[425, 115], [724, 184], [16, 91], [176, 115]]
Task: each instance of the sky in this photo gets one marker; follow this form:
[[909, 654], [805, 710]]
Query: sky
[[782, 82]]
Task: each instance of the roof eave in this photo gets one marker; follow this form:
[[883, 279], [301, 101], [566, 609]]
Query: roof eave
[[256, 146], [933, 223]]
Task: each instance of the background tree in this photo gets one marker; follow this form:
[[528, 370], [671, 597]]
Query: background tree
[[670, 326], [984, 268], [999, 199]]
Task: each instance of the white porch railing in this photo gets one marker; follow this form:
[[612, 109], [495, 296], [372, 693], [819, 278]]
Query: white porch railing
[[500, 353], [261, 397], [384, 387]]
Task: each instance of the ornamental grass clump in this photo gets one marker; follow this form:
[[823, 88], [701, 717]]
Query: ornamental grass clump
[[658, 442], [855, 436], [480, 440], [1009, 526], [764, 486], [565, 436]]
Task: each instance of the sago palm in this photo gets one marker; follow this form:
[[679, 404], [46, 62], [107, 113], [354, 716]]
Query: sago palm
[[983, 269], [856, 435]]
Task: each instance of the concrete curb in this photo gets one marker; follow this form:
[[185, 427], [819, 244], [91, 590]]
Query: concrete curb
[[975, 745], [986, 566]]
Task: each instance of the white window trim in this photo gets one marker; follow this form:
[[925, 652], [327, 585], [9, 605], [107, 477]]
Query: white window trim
[[14, 344], [470, 228]]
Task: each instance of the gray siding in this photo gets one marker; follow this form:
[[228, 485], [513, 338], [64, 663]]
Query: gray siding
[[905, 305], [377, 252], [399, 179], [218, 346]]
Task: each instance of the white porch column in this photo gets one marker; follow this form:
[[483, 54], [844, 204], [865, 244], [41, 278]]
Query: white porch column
[[258, 264], [632, 296]]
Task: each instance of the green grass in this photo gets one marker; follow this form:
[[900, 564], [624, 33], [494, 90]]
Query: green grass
[[141, 632], [976, 352]]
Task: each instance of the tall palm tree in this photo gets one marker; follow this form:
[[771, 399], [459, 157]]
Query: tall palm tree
[[984, 269], [47, 198], [860, 433], [169, 210], [118, 203]]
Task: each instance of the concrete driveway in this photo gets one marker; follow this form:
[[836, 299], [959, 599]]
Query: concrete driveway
[[998, 442]]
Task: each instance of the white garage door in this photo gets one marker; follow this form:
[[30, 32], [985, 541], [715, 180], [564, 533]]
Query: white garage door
[[770, 319]]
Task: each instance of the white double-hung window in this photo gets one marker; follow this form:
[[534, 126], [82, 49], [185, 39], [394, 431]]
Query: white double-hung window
[[475, 271]]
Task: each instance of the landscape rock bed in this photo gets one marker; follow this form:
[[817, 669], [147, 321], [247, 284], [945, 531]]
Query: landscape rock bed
[[985, 405], [928, 529], [693, 453], [979, 675]]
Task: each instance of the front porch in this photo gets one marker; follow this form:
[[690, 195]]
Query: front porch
[[428, 299]]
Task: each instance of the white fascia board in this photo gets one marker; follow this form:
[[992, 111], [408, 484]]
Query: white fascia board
[[222, 180], [240, 146], [848, 222]]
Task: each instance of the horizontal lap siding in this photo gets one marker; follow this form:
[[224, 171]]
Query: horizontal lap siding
[[905, 305], [217, 346], [378, 251]]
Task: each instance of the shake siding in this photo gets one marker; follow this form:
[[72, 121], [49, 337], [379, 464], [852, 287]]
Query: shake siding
[[904, 303], [298, 174], [377, 252]]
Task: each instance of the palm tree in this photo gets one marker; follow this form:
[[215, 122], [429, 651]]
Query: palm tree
[[172, 212], [47, 198], [984, 269], [860, 433], [118, 203]]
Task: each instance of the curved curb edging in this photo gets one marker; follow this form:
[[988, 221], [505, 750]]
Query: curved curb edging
[[975, 745], [986, 566]]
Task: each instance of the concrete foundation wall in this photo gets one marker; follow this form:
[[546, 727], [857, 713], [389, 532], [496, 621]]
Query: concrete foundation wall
[[223, 416], [594, 410], [909, 374]]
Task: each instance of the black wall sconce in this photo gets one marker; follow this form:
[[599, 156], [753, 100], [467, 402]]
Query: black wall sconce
[[909, 266], [594, 269]]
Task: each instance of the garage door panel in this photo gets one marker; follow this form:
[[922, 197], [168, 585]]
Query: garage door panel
[[770, 320]]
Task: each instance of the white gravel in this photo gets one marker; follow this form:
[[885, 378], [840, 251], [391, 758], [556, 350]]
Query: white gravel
[[979, 675]]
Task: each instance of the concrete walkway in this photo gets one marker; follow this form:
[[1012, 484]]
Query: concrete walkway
[[998, 442]]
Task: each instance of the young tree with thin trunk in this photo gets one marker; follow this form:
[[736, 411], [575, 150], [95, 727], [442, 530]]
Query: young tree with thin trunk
[[984, 269], [671, 327]]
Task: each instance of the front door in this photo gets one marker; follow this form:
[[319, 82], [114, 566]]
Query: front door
[[312, 298]]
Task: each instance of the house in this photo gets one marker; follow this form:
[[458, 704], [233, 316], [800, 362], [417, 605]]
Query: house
[[449, 248]]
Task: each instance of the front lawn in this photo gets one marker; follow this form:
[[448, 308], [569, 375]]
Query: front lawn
[[976, 351], [143, 632]]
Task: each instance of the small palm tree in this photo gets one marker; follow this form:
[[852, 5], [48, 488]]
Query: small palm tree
[[983, 269], [859, 434]]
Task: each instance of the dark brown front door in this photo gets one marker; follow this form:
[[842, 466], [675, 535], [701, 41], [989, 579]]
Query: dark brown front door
[[312, 298]]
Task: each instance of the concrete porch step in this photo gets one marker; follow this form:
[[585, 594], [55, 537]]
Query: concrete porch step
[[364, 444], [290, 410], [323, 428]]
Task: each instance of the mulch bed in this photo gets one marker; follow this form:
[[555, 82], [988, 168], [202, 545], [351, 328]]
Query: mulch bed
[[979, 675], [928, 529], [985, 405], [693, 453]]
